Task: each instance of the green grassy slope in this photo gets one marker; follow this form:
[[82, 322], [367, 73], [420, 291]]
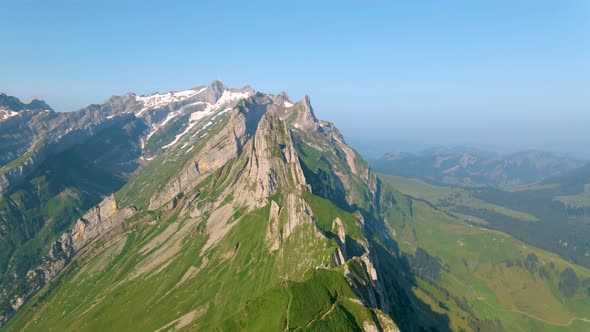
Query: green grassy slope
[[551, 216], [484, 272], [238, 278]]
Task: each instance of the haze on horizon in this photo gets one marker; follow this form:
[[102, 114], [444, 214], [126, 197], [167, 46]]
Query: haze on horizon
[[392, 76]]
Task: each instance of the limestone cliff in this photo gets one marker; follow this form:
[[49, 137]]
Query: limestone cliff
[[97, 222]]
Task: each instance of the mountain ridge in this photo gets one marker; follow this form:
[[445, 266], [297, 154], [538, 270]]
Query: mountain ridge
[[473, 167], [247, 137]]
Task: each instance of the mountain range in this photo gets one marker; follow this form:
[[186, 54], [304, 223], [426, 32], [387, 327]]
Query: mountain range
[[472, 167], [232, 209]]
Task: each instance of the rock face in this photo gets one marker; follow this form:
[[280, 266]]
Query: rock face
[[301, 115], [273, 236], [273, 161], [222, 147], [255, 134], [97, 222]]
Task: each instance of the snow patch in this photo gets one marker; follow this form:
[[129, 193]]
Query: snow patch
[[152, 132], [189, 127], [195, 117], [288, 104], [157, 100], [228, 96], [169, 117], [6, 114]]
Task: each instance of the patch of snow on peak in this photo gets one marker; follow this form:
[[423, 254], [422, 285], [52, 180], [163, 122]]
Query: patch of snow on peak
[[228, 96], [159, 100], [169, 117], [215, 109], [288, 104], [5, 114]]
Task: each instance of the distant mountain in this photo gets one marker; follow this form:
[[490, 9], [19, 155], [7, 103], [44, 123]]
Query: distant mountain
[[11, 106], [472, 167]]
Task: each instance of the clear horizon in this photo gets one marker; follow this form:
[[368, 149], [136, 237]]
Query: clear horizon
[[502, 75]]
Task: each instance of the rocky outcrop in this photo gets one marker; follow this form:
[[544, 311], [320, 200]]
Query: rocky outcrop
[[273, 236], [273, 161], [301, 116], [99, 220], [340, 232]]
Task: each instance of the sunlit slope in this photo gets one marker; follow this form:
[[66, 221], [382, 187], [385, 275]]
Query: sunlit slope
[[467, 268]]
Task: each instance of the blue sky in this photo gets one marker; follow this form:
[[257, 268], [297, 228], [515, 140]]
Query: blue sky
[[498, 74]]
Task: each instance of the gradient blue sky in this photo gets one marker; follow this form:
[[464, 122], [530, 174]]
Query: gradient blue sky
[[497, 74]]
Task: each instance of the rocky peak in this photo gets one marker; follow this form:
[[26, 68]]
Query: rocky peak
[[274, 162], [37, 104], [11, 103], [304, 115], [247, 89], [217, 87]]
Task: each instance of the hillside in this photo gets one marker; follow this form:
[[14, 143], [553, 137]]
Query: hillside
[[464, 264]]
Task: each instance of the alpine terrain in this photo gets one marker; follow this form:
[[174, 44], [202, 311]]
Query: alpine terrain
[[231, 209]]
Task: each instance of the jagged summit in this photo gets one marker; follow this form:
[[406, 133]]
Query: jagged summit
[[10, 106], [218, 87], [11, 103], [33, 98]]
